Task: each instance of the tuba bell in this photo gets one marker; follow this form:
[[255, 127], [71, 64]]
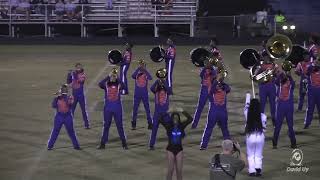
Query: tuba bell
[[157, 54], [279, 46], [115, 56]]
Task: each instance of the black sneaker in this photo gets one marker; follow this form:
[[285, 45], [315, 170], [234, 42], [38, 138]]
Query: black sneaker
[[203, 148], [151, 148], [133, 125], [101, 146], [49, 149], [252, 174], [87, 127], [258, 172], [77, 148], [294, 146], [150, 126], [124, 145], [306, 127]]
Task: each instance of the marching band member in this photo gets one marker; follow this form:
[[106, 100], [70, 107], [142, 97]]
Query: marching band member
[[285, 107], [63, 103], [175, 132], [313, 75], [124, 67], [112, 107], [214, 49], [256, 123], [301, 70], [268, 89], [141, 76], [160, 89], [76, 79], [314, 47], [170, 57], [217, 111], [207, 76]]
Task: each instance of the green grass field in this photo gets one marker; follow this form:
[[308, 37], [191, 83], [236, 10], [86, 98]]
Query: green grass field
[[31, 74]]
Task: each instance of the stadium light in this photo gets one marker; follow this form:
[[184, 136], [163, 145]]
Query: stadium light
[[292, 27], [284, 27]]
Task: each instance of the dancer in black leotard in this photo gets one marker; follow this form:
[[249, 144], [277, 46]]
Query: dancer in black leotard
[[175, 132]]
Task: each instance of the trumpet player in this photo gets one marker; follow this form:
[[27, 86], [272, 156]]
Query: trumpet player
[[218, 110], [63, 103], [124, 67], [170, 60], [267, 88], [112, 108], [76, 79], [160, 89], [313, 75], [285, 107], [301, 70], [207, 75], [141, 77]]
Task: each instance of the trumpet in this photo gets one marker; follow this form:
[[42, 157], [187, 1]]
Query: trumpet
[[162, 73], [64, 89]]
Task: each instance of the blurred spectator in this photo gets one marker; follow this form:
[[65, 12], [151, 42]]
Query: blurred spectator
[[36, 6], [4, 10], [24, 8], [261, 17], [59, 10], [14, 4], [225, 166], [70, 9], [79, 11], [279, 17], [109, 4], [167, 6], [157, 3]]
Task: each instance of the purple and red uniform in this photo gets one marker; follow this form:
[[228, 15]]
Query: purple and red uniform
[[285, 107], [217, 112], [268, 90], [215, 50], [77, 79], [141, 76], [63, 116], [127, 57], [112, 108], [161, 100], [207, 76], [170, 60], [313, 92], [313, 51], [301, 70]]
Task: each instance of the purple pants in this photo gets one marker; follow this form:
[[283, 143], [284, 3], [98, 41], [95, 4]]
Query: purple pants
[[268, 90], [302, 94], [201, 103], [123, 76], [82, 101], [216, 114], [66, 120], [284, 110], [155, 124], [313, 100], [108, 113], [136, 101], [169, 67]]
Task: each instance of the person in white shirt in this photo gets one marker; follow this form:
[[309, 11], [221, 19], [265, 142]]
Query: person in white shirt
[[255, 126], [60, 7], [261, 17]]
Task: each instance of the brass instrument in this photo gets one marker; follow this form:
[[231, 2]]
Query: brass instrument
[[141, 62], [115, 57], [64, 89], [287, 66], [201, 57], [279, 46], [162, 73], [157, 54]]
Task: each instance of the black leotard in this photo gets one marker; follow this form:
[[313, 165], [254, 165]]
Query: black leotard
[[176, 134]]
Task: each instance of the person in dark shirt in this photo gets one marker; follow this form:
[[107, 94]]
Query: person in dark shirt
[[175, 132]]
